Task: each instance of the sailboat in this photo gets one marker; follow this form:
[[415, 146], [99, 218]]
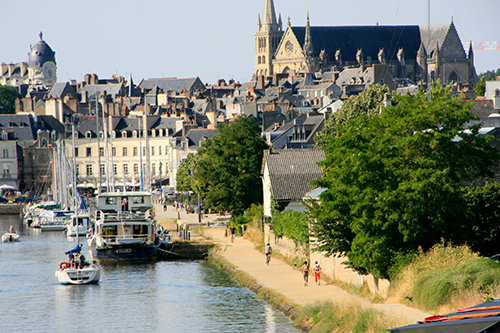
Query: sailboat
[[83, 273]]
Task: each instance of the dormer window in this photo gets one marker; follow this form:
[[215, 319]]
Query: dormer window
[[88, 135], [124, 134], [21, 124], [153, 133], [113, 134], [134, 134], [101, 134], [5, 136], [11, 124]]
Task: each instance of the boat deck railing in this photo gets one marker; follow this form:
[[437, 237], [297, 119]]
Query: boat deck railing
[[121, 216]]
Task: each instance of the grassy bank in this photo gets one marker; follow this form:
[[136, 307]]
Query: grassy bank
[[446, 278]]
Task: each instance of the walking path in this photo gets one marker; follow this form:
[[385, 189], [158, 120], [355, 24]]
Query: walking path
[[283, 278]]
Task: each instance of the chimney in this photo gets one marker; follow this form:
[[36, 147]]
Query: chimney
[[85, 97], [496, 100], [260, 82], [3, 68], [86, 79]]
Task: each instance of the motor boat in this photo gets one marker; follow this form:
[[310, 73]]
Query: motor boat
[[9, 237], [74, 228]]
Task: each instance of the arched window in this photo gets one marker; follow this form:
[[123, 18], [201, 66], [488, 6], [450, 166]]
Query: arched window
[[124, 134], [101, 134], [263, 59], [88, 135], [259, 60], [113, 134], [134, 134]]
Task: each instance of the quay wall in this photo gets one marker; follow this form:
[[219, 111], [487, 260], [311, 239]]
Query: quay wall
[[331, 265]]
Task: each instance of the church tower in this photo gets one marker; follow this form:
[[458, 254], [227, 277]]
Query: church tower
[[42, 66], [267, 39]]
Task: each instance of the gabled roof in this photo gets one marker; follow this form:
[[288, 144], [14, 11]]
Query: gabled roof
[[369, 38], [196, 136], [291, 171], [61, 89]]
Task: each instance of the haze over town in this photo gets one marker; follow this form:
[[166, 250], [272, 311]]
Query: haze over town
[[205, 38]]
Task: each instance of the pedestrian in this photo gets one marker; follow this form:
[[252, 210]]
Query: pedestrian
[[233, 233], [165, 205], [268, 250], [305, 272], [317, 273]]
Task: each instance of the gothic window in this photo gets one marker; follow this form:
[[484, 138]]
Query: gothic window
[[259, 60], [453, 77], [263, 59]]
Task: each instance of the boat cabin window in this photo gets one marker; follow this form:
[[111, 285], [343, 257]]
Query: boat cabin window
[[138, 200], [111, 201]]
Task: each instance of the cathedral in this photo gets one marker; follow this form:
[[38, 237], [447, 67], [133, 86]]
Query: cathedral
[[409, 52], [40, 70]]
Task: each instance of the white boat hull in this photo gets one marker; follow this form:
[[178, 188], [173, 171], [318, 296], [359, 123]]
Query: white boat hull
[[10, 237], [86, 275]]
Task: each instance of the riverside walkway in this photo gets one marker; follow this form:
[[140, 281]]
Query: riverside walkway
[[283, 278]]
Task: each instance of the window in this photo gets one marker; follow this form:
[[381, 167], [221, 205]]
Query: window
[[115, 169], [138, 200], [89, 170], [89, 151], [77, 170], [113, 134], [153, 169], [11, 124], [5, 136], [88, 135], [124, 134], [125, 169], [101, 134], [152, 151], [134, 134], [136, 151], [103, 170], [76, 151], [6, 173], [6, 153], [111, 201], [136, 169], [113, 151], [101, 151], [125, 151], [143, 151], [159, 150]]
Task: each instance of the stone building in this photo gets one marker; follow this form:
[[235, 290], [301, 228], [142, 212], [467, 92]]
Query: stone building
[[417, 52]]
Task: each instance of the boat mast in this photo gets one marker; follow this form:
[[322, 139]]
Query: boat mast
[[76, 196], [147, 176], [140, 152], [98, 142]]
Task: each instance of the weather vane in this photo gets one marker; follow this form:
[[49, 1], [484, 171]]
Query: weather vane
[[41, 35]]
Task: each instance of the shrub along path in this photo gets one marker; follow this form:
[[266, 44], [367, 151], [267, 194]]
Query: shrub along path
[[289, 282]]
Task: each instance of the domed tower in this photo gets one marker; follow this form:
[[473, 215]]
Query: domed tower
[[42, 64]]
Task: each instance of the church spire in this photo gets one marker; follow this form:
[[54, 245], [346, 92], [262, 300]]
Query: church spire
[[280, 23], [308, 45], [259, 24], [269, 19]]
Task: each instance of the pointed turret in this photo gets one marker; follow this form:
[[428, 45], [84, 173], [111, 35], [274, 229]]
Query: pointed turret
[[259, 24], [280, 23], [308, 45], [131, 90], [269, 20]]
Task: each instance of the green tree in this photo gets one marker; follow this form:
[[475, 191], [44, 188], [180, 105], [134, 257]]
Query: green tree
[[394, 180], [229, 165], [8, 96], [185, 174], [480, 88], [367, 103], [292, 224], [490, 75]]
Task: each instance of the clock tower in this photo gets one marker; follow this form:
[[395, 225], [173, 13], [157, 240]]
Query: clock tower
[[267, 39]]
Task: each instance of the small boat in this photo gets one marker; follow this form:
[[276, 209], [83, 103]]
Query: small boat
[[82, 273], [10, 237], [86, 275], [74, 228], [54, 220]]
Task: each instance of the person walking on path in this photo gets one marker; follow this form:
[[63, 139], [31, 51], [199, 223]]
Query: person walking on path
[[233, 232], [317, 273], [268, 250], [305, 272]]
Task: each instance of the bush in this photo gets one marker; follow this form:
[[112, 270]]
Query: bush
[[291, 224]]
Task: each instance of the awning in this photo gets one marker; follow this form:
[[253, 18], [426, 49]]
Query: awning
[[8, 185]]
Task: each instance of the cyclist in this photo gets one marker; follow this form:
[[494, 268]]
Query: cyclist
[[268, 252]]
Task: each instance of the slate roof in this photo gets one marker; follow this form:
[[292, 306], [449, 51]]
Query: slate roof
[[59, 90], [195, 135], [369, 38], [113, 89], [25, 127], [291, 171], [172, 84]]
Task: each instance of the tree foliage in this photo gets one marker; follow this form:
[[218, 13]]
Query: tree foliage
[[367, 103], [185, 174], [394, 180], [490, 75], [480, 88], [291, 224], [228, 170], [8, 96]]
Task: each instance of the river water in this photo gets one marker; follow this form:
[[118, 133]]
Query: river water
[[180, 296]]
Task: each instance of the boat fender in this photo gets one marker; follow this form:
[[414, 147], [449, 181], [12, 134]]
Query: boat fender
[[63, 263]]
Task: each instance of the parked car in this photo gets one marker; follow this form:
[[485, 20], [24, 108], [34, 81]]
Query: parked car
[[22, 200], [3, 199]]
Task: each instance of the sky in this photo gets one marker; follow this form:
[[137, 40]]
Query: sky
[[209, 39]]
